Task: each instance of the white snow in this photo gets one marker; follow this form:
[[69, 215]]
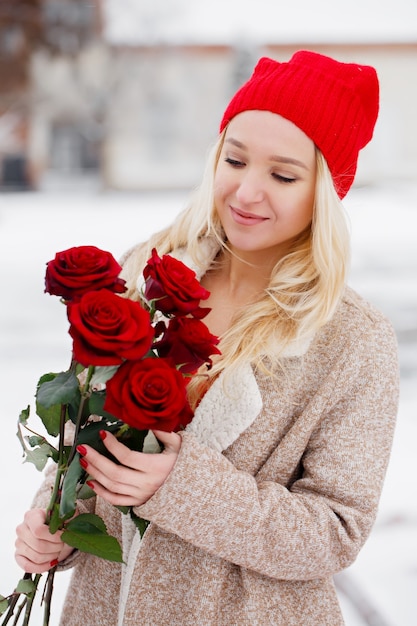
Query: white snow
[[33, 333]]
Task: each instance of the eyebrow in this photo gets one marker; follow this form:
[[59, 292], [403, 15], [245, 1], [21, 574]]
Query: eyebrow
[[274, 157]]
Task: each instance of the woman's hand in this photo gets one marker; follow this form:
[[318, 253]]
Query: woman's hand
[[138, 477], [37, 550]]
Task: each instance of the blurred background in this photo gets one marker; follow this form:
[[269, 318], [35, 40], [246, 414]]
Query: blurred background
[[132, 92], [107, 109]]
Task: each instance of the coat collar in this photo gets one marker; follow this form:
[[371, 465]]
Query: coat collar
[[228, 408]]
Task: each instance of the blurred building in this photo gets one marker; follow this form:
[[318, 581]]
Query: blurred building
[[167, 103], [56, 31], [142, 115]]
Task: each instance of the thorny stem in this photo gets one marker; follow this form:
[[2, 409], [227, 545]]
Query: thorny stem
[[48, 595], [84, 396], [20, 609], [30, 599]]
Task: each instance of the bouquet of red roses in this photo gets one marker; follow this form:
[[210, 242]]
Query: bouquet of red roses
[[131, 362]]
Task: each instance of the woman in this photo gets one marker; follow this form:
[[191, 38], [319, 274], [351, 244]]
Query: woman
[[274, 486]]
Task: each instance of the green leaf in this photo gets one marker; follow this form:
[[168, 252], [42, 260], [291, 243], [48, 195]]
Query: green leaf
[[69, 488], [4, 605], [87, 532], [26, 586], [102, 374], [79, 368], [40, 455], [96, 404], [73, 410], [87, 522], [21, 440], [62, 389], [51, 417], [35, 440], [45, 377], [24, 415], [140, 523], [90, 435], [85, 493]]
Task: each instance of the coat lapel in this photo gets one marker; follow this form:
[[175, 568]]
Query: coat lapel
[[228, 408]]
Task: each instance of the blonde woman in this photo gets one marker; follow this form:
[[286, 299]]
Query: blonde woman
[[274, 486]]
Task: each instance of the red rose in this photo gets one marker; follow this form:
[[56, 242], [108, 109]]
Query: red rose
[[77, 270], [188, 342], [148, 394], [107, 329], [173, 287]]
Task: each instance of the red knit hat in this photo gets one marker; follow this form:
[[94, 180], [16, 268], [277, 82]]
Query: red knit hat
[[335, 104]]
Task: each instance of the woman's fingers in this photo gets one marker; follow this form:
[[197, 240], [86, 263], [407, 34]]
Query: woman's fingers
[[171, 441], [36, 548], [137, 477], [35, 521], [125, 456], [32, 567]]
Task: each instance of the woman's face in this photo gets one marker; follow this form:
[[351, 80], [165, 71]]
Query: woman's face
[[264, 184]]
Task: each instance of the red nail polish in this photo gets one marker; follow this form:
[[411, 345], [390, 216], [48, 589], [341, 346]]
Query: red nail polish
[[53, 563], [83, 463], [102, 434], [90, 484], [82, 450]]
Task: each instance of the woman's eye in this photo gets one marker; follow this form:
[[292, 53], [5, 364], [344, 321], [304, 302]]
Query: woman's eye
[[284, 179], [234, 162]]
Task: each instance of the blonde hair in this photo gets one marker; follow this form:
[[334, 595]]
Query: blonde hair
[[305, 286]]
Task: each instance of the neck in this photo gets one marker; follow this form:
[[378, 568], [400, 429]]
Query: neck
[[246, 273]]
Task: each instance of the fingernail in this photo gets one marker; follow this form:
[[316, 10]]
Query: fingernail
[[53, 563], [83, 463], [102, 434], [90, 484], [82, 450]]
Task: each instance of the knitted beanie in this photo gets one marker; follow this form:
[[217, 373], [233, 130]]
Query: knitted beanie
[[335, 104]]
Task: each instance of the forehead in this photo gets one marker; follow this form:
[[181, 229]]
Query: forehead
[[263, 129]]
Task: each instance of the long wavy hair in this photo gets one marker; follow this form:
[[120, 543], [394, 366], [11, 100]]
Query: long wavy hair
[[305, 286]]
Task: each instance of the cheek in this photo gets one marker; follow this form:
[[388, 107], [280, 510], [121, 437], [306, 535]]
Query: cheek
[[218, 189], [303, 214], [218, 197], [309, 204], [223, 181], [295, 212]]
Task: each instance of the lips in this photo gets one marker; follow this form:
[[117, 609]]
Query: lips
[[245, 218]]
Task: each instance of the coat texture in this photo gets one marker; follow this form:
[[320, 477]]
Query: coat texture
[[275, 489]]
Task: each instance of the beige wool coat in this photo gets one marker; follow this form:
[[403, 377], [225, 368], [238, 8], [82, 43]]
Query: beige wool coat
[[275, 489]]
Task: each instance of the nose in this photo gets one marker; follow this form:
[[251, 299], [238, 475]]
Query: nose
[[250, 188]]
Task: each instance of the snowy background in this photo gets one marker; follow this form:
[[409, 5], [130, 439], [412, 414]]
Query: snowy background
[[33, 335], [33, 327]]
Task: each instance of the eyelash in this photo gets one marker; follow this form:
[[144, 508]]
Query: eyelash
[[278, 177]]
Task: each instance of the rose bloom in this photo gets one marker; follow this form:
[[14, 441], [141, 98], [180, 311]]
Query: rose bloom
[[148, 394], [188, 342], [106, 329], [173, 287], [77, 270]]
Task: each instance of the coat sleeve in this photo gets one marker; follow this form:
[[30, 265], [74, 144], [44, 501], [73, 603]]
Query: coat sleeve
[[317, 526]]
